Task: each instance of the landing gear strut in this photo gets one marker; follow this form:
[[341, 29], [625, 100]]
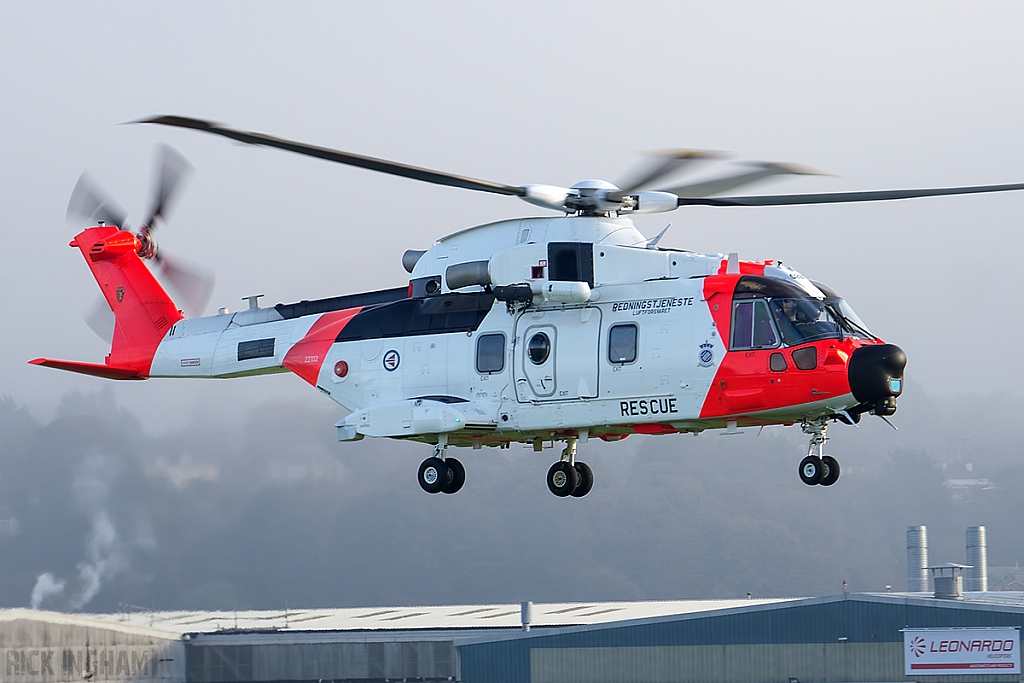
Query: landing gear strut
[[817, 468], [439, 473], [568, 477]]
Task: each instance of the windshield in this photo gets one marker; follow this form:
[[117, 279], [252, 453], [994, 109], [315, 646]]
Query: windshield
[[803, 319], [852, 325], [843, 312]]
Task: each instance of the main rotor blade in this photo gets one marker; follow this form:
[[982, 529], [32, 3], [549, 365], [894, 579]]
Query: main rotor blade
[[371, 163], [171, 168], [758, 171], [91, 203], [664, 162], [838, 197]]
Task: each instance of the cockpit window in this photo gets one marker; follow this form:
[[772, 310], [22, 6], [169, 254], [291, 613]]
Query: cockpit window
[[803, 320], [752, 326], [768, 310], [851, 323]]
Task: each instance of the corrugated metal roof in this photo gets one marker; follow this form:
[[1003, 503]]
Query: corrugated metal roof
[[460, 617], [471, 618], [136, 627], [1001, 599], [747, 610]]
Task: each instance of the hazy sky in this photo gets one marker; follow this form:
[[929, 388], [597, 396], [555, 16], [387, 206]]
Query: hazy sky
[[880, 94]]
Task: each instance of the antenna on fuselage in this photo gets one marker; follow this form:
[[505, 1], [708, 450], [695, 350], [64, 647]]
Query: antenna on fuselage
[[653, 242]]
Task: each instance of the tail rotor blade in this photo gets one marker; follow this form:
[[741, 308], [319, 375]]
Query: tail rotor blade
[[100, 320], [172, 168], [88, 202], [192, 283]]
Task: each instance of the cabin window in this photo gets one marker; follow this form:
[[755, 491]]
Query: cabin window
[[490, 353], [257, 348], [622, 344], [538, 348], [805, 358], [571, 262], [777, 362], [752, 326]]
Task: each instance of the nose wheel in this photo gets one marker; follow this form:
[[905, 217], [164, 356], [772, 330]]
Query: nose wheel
[[568, 477], [817, 469]]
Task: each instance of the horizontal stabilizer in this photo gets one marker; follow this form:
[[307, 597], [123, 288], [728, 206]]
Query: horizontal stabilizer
[[95, 369]]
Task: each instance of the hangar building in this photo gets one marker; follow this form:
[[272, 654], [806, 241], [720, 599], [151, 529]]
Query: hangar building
[[849, 637]]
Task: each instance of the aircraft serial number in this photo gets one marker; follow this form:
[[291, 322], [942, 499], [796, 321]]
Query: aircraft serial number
[[652, 306], [648, 406]]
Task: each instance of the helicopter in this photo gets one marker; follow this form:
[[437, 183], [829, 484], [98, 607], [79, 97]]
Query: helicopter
[[543, 330]]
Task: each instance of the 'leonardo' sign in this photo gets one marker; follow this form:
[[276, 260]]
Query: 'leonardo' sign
[[946, 651]]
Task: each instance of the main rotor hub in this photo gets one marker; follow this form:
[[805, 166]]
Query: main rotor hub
[[591, 185], [591, 198]]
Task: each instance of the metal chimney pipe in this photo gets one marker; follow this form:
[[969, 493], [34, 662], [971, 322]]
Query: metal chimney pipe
[[917, 559], [977, 557], [949, 581], [526, 612]]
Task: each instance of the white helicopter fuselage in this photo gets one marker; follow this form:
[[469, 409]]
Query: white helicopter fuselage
[[631, 343]]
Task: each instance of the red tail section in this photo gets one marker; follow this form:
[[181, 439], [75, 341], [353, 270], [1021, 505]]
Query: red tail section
[[142, 309]]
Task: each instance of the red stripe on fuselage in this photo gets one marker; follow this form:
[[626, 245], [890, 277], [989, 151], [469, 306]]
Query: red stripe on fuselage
[[744, 382], [746, 267], [307, 356]]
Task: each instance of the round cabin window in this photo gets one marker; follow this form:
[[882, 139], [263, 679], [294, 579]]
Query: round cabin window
[[538, 348]]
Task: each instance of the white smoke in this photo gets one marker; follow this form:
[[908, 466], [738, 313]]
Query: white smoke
[[46, 586], [104, 557], [104, 560]]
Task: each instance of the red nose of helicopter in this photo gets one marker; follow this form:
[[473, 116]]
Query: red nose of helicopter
[[876, 376]]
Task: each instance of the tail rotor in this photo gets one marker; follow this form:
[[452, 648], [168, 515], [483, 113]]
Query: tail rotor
[[192, 284]]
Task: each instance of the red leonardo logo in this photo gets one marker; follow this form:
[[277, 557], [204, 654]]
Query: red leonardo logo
[[917, 646]]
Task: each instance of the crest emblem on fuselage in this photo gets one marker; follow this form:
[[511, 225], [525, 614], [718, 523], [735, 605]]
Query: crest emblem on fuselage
[[391, 360], [120, 293], [706, 356]]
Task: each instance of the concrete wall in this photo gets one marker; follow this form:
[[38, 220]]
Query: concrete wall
[[38, 651], [219, 663]]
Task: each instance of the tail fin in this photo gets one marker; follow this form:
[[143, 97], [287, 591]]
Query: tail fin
[[143, 311]]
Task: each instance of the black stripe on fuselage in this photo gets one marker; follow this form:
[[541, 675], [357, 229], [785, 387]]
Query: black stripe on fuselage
[[414, 317], [340, 303], [440, 399]]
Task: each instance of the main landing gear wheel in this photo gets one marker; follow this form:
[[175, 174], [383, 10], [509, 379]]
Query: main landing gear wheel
[[456, 476], [586, 479], [563, 479], [812, 469], [830, 472], [434, 474]]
